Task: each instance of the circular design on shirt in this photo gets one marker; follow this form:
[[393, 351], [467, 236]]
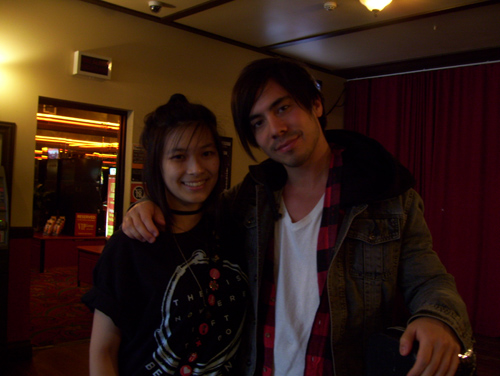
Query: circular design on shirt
[[214, 273], [202, 348], [211, 299], [203, 328]]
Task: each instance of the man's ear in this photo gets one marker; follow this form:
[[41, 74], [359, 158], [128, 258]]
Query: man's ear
[[317, 107]]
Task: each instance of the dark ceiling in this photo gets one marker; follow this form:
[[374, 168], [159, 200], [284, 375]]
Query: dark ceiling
[[349, 41]]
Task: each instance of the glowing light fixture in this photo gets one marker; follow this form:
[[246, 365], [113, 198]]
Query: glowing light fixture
[[101, 155], [375, 5], [77, 143], [77, 121]]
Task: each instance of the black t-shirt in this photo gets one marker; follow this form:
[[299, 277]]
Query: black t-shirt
[[152, 293]]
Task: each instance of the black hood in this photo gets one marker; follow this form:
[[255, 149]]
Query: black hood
[[369, 172]]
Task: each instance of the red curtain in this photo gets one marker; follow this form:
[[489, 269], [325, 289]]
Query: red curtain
[[444, 125]]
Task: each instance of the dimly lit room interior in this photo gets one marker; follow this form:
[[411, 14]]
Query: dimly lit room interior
[[78, 77]]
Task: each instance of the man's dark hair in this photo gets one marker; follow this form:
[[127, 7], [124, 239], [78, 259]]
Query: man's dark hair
[[177, 114], [289, 74]]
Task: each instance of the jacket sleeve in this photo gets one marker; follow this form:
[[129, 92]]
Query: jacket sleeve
[[427, 287]]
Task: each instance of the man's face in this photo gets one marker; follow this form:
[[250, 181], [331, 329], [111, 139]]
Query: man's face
[[284, 130]]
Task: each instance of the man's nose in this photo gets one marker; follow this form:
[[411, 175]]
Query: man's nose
[[277, 126]]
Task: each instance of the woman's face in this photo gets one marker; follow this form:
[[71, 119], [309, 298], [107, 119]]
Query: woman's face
[[190, 167]]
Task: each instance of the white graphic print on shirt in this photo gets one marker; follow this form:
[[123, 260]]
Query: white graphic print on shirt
[[186, 345]]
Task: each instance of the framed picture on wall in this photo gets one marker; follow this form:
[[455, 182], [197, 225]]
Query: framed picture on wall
[[227, 155], [7, 142]]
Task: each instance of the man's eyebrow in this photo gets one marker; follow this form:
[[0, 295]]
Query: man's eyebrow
[[271, 106]]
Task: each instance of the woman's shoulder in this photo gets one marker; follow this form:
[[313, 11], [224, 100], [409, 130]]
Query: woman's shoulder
[[126, 254], [121, 244], [119, 239]]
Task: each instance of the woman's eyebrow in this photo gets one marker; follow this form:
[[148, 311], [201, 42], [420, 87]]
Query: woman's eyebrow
[[181, 149]]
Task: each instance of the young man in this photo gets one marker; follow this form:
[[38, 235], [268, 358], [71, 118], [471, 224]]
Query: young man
[[332, 232]]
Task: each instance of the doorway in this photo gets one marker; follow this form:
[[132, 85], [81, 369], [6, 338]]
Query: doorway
[[79, 173], [79, 154]]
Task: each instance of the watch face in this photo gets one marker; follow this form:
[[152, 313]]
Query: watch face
[[467, 365]]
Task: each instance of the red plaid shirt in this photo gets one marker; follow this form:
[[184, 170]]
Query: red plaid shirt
[[318, 356]]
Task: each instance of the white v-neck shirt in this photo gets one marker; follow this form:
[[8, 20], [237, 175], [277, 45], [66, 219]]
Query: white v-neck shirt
[[297, 294]]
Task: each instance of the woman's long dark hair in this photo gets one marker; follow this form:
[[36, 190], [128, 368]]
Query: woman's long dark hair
[[178, 113]]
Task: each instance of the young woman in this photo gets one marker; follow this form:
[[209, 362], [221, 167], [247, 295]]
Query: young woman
[[177, 306]]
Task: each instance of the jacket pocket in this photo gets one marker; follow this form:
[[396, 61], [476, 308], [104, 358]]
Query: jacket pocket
[[373, 248]]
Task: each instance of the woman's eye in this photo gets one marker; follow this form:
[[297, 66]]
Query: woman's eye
[[177, 157]]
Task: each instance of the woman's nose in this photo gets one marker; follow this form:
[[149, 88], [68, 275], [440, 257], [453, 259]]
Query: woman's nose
[[194, 166]]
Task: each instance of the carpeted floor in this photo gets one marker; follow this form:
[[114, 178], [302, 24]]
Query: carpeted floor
[[57, 315], [59, 318]]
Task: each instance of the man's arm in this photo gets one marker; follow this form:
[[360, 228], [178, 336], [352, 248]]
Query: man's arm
[[104, 344], [439, 319], [143, 221]]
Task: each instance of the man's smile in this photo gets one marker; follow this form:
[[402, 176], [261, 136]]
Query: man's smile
[[287, 145]]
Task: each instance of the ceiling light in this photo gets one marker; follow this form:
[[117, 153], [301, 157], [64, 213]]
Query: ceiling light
[[375, 5], [330, 5]]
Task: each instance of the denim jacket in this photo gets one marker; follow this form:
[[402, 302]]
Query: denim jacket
[[383, 252]]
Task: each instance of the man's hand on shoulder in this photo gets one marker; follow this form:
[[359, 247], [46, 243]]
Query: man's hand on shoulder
[[143, 221], [438, 347]]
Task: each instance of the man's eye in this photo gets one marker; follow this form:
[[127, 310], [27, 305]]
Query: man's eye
[[256, 124], [283, 108]]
